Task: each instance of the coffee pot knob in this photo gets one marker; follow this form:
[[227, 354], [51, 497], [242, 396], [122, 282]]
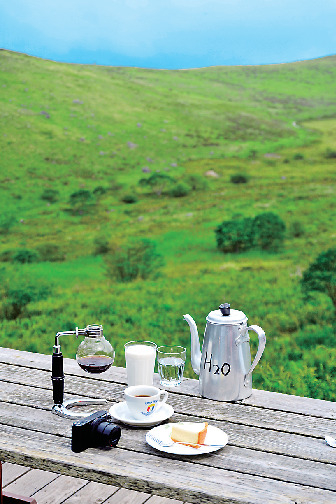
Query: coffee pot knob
[[225, 309]]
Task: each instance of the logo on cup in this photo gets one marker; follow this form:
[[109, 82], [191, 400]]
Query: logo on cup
[[150, 408]]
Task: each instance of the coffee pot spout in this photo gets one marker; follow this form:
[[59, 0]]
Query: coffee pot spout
[[195, 344]]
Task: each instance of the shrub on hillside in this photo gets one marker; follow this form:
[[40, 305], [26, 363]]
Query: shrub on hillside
[[50, 195], [235, 235], [296, 229], [101, 245], [196, 182], [19, 293], [50, 252], [268, 231], [137, 258], [252, 154], [265, 231], [129, 198], [6, 222], [321, 275], [25, 256], [81, 201], [99, 190], [179, 190], [81, 196], [6, 256], [330, 154], [239, 178]]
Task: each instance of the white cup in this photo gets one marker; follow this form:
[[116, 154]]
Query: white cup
[[144, 400], [140, 362]]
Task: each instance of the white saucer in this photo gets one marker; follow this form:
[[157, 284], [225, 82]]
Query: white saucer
[[120, 412]]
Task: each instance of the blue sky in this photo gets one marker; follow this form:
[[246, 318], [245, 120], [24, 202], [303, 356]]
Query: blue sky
[[170, 33]]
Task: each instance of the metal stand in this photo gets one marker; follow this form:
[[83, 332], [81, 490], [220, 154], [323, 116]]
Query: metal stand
[[63, 409], [60, 407]]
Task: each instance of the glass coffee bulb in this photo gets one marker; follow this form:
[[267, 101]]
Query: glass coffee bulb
[[95, 354]]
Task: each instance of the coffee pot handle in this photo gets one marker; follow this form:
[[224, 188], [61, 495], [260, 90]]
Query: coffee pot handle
[[262, 342]]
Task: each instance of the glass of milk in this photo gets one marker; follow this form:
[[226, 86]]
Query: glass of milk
[[140, 362]]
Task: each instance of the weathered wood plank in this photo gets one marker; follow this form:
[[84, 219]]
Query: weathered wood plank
[[35, 360], [180, 479], [259, 398], [232, 412], [247, 415], [155, 499], [30, 482], [276, 401], [92, 493], [10, 498], [11, 472], [291, 403], [123, 496], [37, 379], [59, 489]]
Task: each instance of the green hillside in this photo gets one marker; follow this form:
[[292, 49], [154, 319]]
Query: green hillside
[[94, 156]]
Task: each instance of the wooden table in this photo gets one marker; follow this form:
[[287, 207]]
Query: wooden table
[[276, 451]]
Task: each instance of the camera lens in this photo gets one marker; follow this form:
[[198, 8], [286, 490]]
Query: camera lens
[[108, 434]]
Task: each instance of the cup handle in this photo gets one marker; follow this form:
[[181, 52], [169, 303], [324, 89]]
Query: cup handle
[[163, 393]]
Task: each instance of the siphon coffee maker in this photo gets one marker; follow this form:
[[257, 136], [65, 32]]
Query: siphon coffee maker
[[94, 355]]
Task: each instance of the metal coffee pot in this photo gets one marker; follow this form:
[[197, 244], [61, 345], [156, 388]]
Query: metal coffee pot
[[224, 366]]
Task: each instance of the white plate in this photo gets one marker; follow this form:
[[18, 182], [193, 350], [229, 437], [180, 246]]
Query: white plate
[[120, 412], [214, 436]]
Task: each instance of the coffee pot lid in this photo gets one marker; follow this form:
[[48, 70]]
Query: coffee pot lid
[[226, 315]]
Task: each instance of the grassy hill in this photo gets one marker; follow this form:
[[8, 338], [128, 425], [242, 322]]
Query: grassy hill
[[76, 143]]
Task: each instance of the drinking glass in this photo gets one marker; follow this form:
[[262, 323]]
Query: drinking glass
[[171, 361], [140, 362]]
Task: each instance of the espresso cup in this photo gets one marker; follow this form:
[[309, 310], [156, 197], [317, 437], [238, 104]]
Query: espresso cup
[[143, 400]]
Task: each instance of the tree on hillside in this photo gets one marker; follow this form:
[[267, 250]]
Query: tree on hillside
[[158, 183], [321, 275]]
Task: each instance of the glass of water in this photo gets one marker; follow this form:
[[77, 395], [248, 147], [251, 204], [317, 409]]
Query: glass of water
[[171, 361]]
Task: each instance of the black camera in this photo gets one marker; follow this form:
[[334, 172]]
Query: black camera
[[93, 431]]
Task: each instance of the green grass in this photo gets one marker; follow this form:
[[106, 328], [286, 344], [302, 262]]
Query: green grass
[[70, 127]]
